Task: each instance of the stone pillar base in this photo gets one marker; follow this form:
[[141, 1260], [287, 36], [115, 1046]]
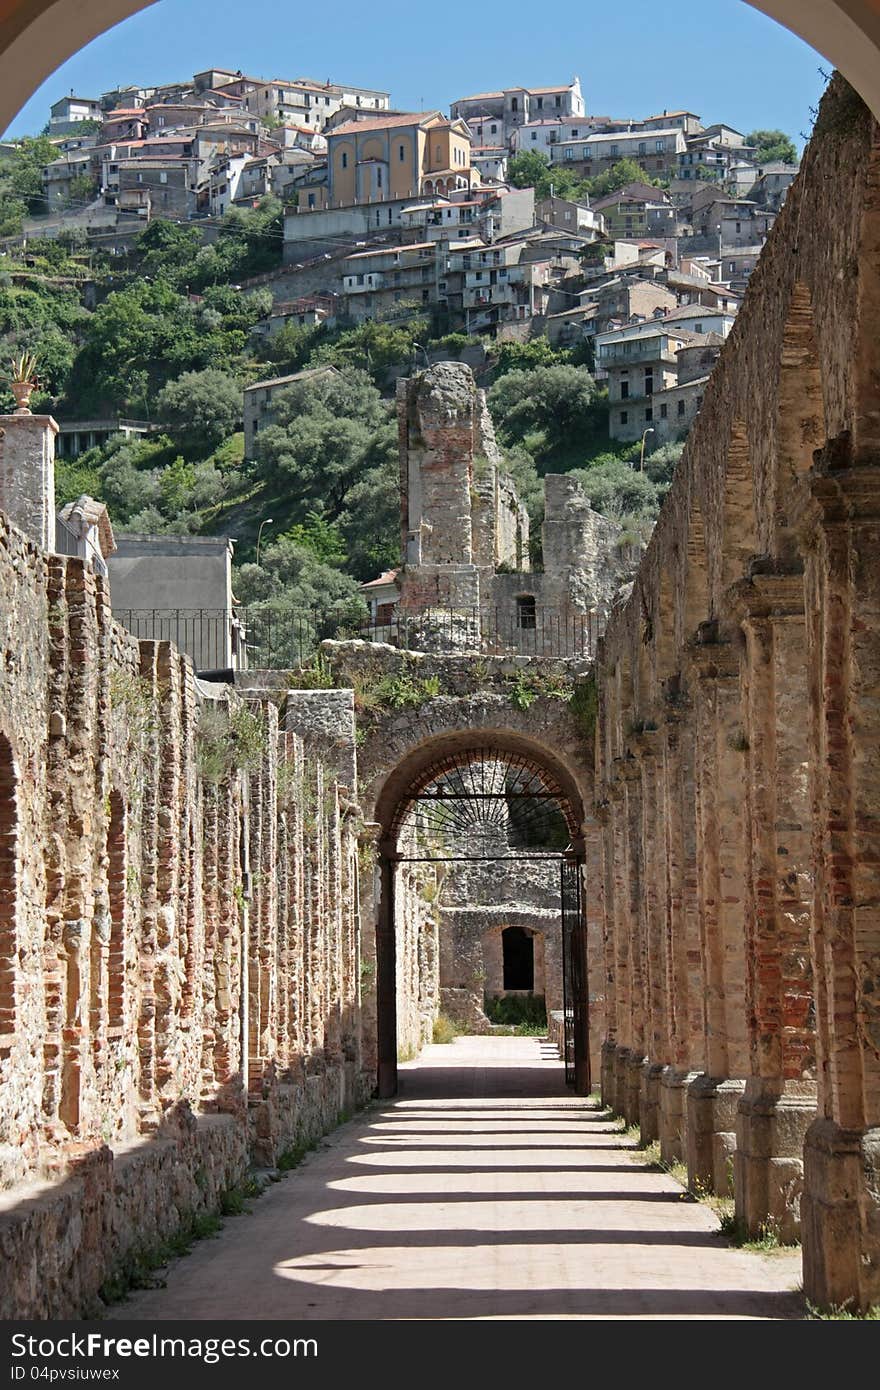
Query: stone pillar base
[[768, 1164], [711, 1133], [840, 1214], [609, 1052], [649, 1101], [618, 1093], [674, 1083], [632, 1087]]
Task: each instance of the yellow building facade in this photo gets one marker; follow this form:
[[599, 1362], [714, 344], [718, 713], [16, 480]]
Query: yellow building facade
[[395, 157]]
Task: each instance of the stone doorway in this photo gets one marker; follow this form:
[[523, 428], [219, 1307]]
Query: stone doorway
[[493, 826], [518, 960]]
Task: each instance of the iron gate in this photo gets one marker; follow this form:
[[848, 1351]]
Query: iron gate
[[574, 980]]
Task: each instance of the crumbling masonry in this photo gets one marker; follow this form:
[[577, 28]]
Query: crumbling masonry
[[737, 757], [194, 882]]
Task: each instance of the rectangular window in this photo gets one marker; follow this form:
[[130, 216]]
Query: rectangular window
[[624, 390], [681, 407], [378, 178], [344, 160], [660, 146], [649, 414], [540, 103], [526, 613], [401, 153], [664, 411], [534, 135], [624, 417], [615, 150]]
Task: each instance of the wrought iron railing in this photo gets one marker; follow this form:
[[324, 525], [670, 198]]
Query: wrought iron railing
[[256, 637]]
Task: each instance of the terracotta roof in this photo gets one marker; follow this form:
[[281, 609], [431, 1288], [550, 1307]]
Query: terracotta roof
[[384, 123], [480, 96], [676, 113], [385, 578], [705, 340], [392, 250], [295, 376]]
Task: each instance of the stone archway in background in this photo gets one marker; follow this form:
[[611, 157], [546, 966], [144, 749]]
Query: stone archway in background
[[429, 770], [36, 36]]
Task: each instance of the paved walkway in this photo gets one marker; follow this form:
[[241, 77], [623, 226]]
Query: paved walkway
[[485, 1191]]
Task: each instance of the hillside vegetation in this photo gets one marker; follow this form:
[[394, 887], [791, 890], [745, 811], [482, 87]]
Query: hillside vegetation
[[169, 339]]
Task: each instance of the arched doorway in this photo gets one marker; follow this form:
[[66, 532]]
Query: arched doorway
[[505, 804]]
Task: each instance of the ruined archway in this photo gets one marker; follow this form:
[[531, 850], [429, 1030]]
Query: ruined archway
[[498, 801]]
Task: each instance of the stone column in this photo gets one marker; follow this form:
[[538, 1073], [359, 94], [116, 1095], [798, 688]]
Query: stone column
[[604, 815], [631, 774], [27, 475], [656, 1033], [683, 972], [780, 1095], [622, 925], [714, 1095], [841, 1209]]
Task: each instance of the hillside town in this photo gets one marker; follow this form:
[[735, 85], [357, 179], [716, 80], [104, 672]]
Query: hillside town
[[480, 218]]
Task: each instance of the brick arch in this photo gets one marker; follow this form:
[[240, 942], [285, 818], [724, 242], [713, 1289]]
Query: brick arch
[[739, 537], [461, 744], [10, 811], [800, 419]]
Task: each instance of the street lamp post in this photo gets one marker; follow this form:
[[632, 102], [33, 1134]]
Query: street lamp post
[[648, 431], [268, 522]]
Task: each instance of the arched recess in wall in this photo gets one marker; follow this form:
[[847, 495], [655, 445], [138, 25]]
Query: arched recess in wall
[[9, 888], [695, 608], [866, 353], [800, 420], [739, 539], [663, 629]]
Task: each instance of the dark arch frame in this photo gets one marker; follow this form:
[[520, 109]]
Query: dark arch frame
[[397, 793]]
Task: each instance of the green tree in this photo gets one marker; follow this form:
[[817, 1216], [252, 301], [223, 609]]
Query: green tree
[[327, 432], [200, 410], [537, 352], [617, 489], [293, 600], [555, 412], [532, 169], [773, 146], [624, 172]]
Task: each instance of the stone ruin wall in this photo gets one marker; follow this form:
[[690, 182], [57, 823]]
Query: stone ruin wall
[[737, 773], [474, 704], [463, 523], [158, 905]]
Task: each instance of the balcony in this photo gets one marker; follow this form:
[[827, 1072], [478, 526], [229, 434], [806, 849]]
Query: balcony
[[623, 355]]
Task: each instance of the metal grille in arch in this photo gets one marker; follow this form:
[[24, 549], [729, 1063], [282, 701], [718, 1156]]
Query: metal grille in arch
[[483, 804]]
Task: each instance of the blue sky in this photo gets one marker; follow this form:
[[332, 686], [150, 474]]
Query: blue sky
[[719, 58]]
